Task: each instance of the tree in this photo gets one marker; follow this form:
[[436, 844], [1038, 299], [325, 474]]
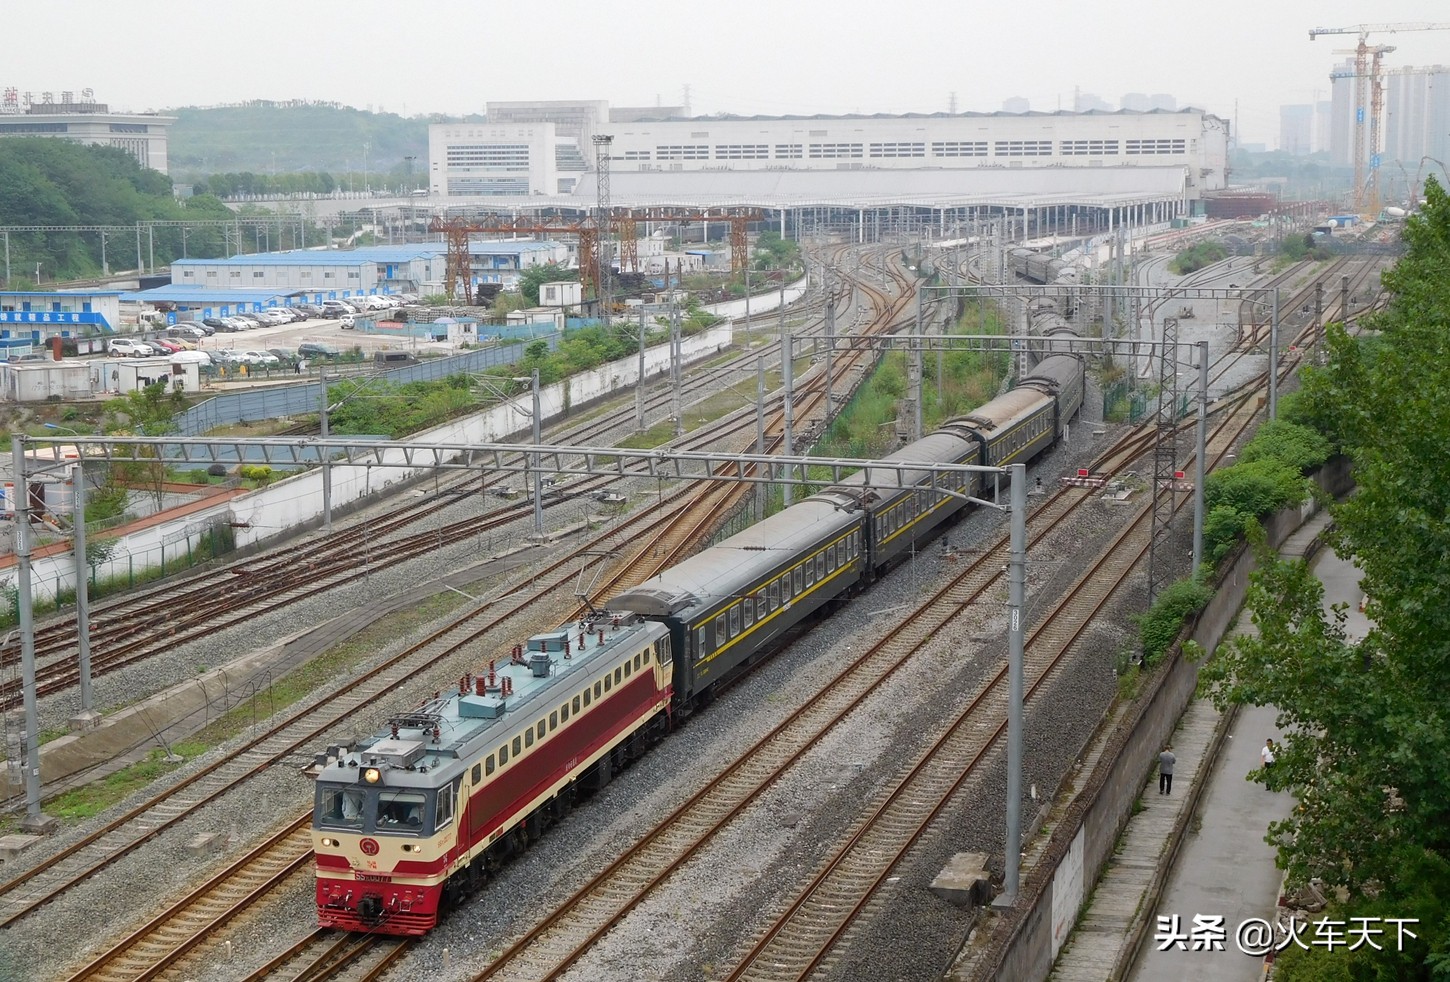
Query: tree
[[536, 276], [1367, 722]]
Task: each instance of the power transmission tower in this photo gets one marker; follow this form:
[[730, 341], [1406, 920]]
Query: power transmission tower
[[1166, 476], [602, 143]]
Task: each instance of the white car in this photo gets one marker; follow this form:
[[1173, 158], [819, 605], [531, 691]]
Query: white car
[[130, 347], [272, 317], [264, 358]]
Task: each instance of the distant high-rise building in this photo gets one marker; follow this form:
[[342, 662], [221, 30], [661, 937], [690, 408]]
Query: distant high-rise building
[[1136, 101], [1323, 114], [1296, 129], [1342, 115], [1016, 104], [1417, 117], [1088, 101]]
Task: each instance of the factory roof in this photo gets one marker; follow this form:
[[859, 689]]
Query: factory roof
[[181, 292], [370, 254]]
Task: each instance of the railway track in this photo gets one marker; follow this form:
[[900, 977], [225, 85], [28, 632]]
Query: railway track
[[555, 943], [284, 742], [133, 630]]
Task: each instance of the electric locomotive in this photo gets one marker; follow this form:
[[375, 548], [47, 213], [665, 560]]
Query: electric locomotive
[[414, 818]]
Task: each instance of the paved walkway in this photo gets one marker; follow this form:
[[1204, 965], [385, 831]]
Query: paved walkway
[[1222, 866]]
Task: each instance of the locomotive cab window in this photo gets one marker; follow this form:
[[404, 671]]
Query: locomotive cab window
[[400, 811], [339, 806], [477, 773]]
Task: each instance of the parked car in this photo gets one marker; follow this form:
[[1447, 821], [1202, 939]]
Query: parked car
[[282, 355], [215, 323], [163, 346], [336, 308], [262, 358], [252, 321], [317, 349], [298, 316], [347, 322], [188, 330], [310, 309], [232, 325], [130, 347]]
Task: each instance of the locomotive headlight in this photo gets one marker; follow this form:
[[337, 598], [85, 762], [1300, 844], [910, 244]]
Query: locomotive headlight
[[372, 775]]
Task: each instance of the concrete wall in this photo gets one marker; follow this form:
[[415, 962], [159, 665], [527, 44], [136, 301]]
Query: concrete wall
[[1022, 947]]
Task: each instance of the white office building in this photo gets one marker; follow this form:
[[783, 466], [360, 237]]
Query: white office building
[[142, 135]]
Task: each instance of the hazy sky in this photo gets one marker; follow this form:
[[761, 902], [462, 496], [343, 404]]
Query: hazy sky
[[740, 56]]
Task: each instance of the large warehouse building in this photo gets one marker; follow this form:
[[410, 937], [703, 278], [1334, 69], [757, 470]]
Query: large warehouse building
[[941, 158]]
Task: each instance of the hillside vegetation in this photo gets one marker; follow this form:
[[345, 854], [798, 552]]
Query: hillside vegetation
[[53, 182], [264, 138]]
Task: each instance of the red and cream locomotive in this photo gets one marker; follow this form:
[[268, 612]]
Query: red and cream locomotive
[[411, 820]]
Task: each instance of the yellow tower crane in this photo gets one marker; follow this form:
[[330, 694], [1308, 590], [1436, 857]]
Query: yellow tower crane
[[1367, 76]]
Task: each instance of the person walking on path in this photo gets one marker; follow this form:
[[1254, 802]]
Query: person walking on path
[[1166, 760], [1266, 756]]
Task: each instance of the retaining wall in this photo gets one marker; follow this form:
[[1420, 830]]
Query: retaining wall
[[1022, 946]]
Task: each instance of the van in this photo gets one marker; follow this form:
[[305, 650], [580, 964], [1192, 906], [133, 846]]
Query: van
[[393, 359]]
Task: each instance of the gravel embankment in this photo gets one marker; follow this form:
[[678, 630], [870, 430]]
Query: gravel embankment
[[704, 916]]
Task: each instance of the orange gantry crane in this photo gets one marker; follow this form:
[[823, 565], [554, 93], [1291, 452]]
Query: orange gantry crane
[[1367, 75], [624, 221]]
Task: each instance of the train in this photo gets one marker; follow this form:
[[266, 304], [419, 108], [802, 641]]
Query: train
[[1039, 268], [411, 820]]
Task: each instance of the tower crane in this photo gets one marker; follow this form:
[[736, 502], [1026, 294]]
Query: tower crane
[[1367, 76]]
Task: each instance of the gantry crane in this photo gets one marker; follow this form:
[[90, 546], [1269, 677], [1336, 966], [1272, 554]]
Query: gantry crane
[[624, 220], [1367, 76]]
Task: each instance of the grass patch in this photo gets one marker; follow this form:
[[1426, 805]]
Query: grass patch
[[96, 797], [338, 662]]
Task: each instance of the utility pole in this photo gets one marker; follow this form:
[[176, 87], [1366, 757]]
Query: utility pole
[[639, 387], [88, 716], [326, 456], [787, 366], [534, 459], [34, 820], [677, 403]]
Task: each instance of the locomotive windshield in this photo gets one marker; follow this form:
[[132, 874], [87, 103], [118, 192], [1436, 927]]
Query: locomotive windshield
[[379, 810]]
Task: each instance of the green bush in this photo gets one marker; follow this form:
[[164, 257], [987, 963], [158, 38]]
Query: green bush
[[1222, 527], [1255, 488], [1294, 445], [1159, 627], [261, 473]]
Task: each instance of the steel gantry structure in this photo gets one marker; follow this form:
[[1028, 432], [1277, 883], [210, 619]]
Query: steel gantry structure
[[562, 460], [625, 221]]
